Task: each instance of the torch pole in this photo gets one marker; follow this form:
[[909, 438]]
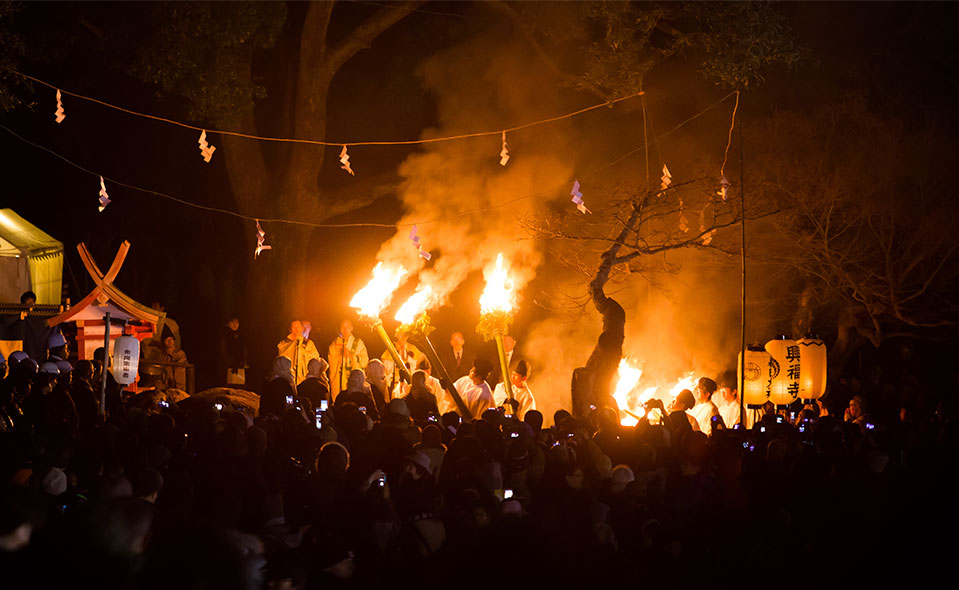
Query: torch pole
[[503, 365], [400, 365], [106, 356], [440, 368]]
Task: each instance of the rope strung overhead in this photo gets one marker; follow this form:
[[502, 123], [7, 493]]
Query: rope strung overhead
[[563, 186], [497, 132]]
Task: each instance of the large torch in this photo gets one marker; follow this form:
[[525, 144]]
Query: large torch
[[370, 301], [415, 323], [496, 307]]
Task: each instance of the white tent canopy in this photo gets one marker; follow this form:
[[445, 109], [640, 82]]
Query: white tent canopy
[[30, 260]]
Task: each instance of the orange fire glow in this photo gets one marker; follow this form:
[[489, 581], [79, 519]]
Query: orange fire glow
[[628, 378], [415, 305], [498, 294], [371, 299], [630, 394]]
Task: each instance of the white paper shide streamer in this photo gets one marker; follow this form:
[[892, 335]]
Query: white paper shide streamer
[[504, 153], [60, 115], [707, 236], [419, 247], [104, 197], [260, 239], [206, 150], [578, 199], [723, 188], [666, 179], [345, 161]]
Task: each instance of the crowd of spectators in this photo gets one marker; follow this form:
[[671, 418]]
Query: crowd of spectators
[[207, 492]]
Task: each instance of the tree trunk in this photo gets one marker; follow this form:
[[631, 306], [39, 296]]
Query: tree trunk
[[848, 342], [802, 317], [604, 360]]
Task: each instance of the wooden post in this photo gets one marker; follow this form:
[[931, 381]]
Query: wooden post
[[106, 367]]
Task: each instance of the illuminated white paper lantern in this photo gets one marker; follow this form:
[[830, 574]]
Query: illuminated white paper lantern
[[756, 378], [784, 370], [126, 359], [812, 370]]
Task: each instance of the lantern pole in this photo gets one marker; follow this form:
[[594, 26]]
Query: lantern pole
[[106, 355], [742, 255]]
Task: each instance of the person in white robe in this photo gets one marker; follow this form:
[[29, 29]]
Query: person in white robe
[[474, 389], [342, 363], [299, 350], [522, 396]]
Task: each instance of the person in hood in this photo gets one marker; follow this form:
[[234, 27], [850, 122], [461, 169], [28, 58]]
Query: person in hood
[[316, 387], [358, 392]]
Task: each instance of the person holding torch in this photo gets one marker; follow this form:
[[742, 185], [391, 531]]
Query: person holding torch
[[523, 400]]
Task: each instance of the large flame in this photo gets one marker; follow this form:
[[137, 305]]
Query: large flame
[[687, 382], [371, 299], [630, 398], [498, 294], [627, 381], [415, 305]]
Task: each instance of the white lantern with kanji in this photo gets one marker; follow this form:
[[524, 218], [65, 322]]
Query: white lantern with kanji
[[784, 370], [126, 359], [812, 369], [755, 379]]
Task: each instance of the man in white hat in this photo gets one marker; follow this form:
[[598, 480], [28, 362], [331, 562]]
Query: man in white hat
[[523, 400]]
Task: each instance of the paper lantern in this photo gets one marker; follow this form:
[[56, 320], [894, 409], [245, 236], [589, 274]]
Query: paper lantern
[[784, 370], [755, 380], [812, 367], [126, 359]]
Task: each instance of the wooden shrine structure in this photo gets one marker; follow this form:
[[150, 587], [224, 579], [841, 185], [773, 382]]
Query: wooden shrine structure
[[126, 315]]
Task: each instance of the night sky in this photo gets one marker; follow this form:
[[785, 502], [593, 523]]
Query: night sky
[[901, 57]]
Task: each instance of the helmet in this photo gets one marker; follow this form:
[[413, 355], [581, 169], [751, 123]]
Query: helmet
[[49, 367], [56, 339], [17, 356], [64, 366], [29, 364]]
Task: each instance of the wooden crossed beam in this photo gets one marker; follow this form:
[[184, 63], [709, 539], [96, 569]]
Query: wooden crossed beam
[[102, 280], [105, 290]]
